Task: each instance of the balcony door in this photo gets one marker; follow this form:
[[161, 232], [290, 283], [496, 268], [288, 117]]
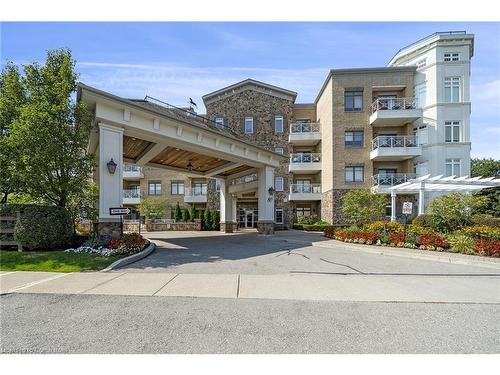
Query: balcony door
[[303, 185], [387, 101]]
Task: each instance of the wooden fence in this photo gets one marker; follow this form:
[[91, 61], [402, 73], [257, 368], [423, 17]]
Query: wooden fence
[[9, 230]]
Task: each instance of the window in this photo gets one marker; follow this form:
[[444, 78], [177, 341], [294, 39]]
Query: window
[[452, 167], [353, 138], [177, 188], [421, 63], [219, 121], [452, 131], [200, 188], [279, 150], [452, 89], [354, 174], [451, 56], [278, 124], [420, 93], [154, 188], [353, 101], [248, 125], [278, 216], [303, 211], [279, 184]]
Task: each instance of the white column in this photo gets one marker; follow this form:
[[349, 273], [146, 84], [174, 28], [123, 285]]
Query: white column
[[227, 207], [266, 200], [421, 195], [393, 206], [110, 185]]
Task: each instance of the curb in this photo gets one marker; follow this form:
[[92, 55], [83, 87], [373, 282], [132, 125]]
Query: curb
[[469, 260], [131, 258]]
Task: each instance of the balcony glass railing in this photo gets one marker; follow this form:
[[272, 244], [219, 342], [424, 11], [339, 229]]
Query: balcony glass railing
[[132, 193], [393, 104], [305, 158], [305, 189], [196, 191], [132, 168], [391, 179], [304, 127], [395, 141]]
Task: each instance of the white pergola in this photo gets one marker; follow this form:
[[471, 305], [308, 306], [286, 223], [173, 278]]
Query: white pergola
[[439, 183]]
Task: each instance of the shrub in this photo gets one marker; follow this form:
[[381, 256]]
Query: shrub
[[487, 247], [128, 243], [207, 223], [482, 232], [362, 206], [460, 243], [215, 220], [177, 213], [192, 213], [329, 232], [432, 241], [154, 207], [311, 219], [488, 220], [381, 227], [44, 227], [396, 238], [454, 211], [424, 220], [319, 226], [185, 215]]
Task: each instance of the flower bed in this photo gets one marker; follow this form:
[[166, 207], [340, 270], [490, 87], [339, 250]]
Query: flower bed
[[127, 244], [473, 240]]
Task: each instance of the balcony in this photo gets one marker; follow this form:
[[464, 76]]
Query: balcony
[[308, 192], [394, 148], [305, 163], [132, 172], [382, 182], [132, 196], [195, 195], [394, 111], [244, 184], [305, 134]]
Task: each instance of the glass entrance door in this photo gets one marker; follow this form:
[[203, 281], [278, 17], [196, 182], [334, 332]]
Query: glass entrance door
[[249, 219]]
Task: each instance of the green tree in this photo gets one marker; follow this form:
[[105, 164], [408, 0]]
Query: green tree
[[362, 206], [207, 224], [154, 207], [185, 215], [201, 216], [452, 211], [192, 213], [215, 219], [488, 168], [177, 212], [85, 204], [50, 131], [12, 99]]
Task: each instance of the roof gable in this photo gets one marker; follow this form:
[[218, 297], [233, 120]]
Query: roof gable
[[249, 84]]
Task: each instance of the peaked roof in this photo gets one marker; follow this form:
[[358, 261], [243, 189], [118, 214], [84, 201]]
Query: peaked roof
[[250, 84]]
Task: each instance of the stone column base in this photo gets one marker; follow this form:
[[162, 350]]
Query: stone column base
[[265, 227], [228, 227], [107, 230]]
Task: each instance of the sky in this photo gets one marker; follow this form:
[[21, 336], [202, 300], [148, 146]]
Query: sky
[[175, 61]]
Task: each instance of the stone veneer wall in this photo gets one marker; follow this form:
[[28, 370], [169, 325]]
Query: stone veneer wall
[[262, 107], [213, 196]]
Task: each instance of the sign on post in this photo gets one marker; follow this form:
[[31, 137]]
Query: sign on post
[[407, 208], [120, 211]]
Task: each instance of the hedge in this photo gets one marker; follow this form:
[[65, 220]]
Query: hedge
[[312, 227], [41, 227]]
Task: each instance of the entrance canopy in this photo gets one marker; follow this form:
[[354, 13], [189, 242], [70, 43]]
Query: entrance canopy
[[439, 183]]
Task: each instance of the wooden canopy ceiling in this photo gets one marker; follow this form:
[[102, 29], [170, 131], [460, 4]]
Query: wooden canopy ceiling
[[235, 170], [133, 147], [178, 158]]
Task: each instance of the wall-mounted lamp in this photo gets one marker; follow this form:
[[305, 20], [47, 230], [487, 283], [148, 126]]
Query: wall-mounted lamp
[[271, 190], [190, 166], [111, 166]]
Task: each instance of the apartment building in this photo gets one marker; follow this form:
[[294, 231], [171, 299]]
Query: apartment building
[[368, 128]]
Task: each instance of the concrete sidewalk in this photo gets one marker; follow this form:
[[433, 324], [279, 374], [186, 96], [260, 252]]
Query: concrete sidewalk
[[482, 288]]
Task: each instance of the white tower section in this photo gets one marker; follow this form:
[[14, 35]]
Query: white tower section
[[442, 89]]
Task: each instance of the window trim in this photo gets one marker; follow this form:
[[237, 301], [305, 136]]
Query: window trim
[[245, 124], [276, 210], [177, 183], [449, 82], [353, 168], [453, 163], [352, 93], [282, 124], [279, 148], [219, 123], [422, 63], [354, 132], [279, 178], [451, 57], [454, 124], [154, 182]]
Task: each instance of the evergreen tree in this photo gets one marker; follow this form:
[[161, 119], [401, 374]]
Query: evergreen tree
[[207, 223], [215, 220], [185, 215], [177, 213], [192, 213]]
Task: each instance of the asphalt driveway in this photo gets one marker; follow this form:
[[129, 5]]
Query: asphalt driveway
[[284, 253]]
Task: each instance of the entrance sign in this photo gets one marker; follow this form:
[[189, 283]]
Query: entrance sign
[[120, 211], [407, 208]]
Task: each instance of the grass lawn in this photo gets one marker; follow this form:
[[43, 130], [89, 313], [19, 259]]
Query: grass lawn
[[52, 261]]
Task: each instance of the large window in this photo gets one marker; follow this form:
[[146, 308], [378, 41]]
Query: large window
[[354, 174], [278, 216], [452, 131], [278, 124], [248, 125], [420, 93], [200, 188], [154, 188], [353, 138], [353, 101], [452, 167], [452, 89], [279, 184], [177, 188], [303, 211], [451, 56]]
